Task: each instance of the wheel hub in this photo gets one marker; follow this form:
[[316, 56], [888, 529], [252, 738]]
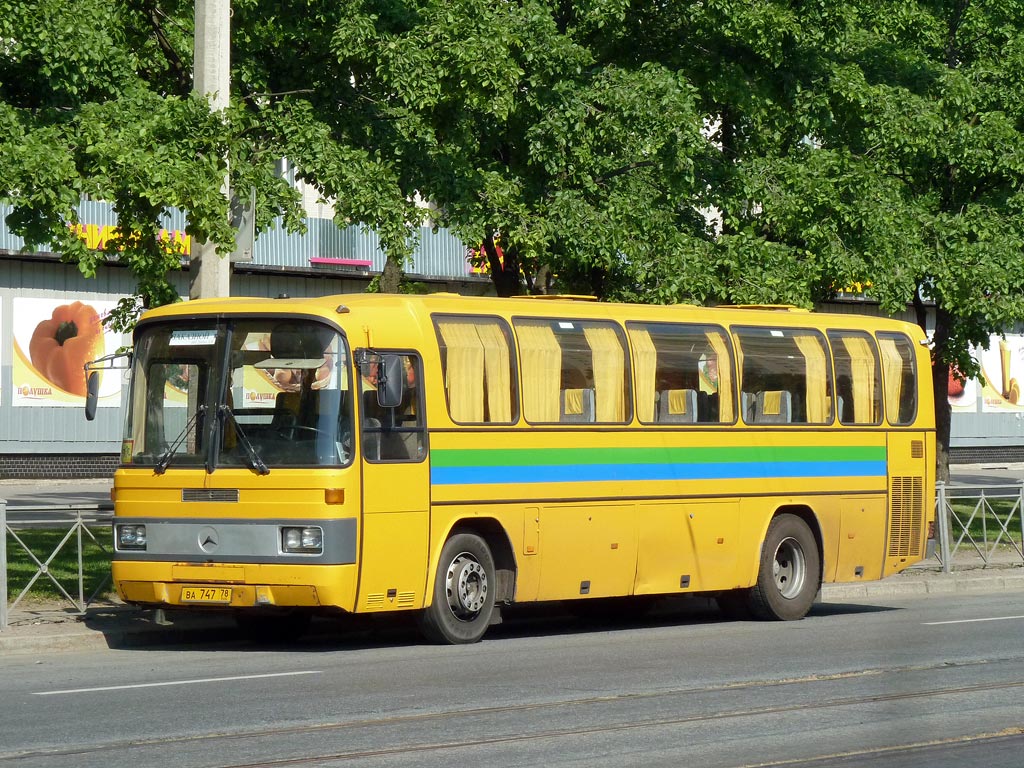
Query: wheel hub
[[467, 587], [789, 568]]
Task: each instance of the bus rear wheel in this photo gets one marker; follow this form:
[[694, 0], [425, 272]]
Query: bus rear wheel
[[789, 573], [463, 592]]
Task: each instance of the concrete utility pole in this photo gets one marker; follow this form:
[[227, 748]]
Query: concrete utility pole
[[209, 274]]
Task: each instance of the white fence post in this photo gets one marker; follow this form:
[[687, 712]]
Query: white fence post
[[942, 518]]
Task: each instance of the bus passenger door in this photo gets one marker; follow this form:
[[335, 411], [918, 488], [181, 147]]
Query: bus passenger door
[[395, 493]]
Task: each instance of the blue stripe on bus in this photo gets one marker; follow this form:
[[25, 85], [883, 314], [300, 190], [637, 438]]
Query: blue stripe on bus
[[588, 473]]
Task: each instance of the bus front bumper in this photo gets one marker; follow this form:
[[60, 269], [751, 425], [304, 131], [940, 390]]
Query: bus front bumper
[[236, 586]]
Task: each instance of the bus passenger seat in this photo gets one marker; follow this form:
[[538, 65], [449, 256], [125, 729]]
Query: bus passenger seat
[[773, 406], [577, 405], [677, 406]]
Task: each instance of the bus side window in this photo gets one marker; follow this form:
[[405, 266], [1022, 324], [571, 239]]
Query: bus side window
[[786, 376], [574, 371], [478, 367], [858, 377], [394, 434], [899, 377], [684, 373]]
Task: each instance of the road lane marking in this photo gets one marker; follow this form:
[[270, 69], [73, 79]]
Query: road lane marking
[[174, 682], [971, 621]]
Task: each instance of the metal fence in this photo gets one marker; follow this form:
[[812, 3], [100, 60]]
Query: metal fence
[[979, 524], [74, 521]]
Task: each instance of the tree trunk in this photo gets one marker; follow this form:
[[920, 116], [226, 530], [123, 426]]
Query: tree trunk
[[940, 385], [504, 265], [943, 417], [391, 277]]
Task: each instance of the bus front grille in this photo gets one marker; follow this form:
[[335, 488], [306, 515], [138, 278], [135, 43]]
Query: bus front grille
[[210, 494]]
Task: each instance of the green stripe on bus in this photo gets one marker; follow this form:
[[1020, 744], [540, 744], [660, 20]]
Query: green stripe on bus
[[530, 457]]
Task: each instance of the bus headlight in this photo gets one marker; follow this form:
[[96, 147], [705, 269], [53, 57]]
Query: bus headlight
[[304, 540], [131, 537]]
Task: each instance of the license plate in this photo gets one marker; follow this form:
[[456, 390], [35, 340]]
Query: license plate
[[206, 594]]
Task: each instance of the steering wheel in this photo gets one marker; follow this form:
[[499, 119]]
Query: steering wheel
[[288, 433]]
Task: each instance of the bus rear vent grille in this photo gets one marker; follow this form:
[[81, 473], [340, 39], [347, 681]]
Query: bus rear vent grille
[[405, 599], [906, 516], [917, 449], [210, 494]]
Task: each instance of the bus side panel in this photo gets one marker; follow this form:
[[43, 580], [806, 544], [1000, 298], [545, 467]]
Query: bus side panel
[[861, 544], [714, 527], [587, 551], [666, 559], [756, 515], [394, 561]]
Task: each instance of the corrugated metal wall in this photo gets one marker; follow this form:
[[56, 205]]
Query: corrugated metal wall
[[52, 429], [437, 253]]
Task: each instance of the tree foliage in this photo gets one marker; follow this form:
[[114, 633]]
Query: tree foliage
[[722, 150]]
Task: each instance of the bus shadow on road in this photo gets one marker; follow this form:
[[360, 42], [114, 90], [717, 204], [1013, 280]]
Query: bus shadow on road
[[327, 634]]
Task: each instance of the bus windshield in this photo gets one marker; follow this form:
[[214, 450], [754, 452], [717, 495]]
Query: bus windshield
[[250, 393]]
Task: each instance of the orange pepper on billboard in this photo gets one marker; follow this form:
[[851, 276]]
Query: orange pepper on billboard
[[61, 346]]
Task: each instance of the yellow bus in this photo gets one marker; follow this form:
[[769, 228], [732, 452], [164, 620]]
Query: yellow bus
[[449, 455]]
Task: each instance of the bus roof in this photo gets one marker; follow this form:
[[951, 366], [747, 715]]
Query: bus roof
[[335, 307]]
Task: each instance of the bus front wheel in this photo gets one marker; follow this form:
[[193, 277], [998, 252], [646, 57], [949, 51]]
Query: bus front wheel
[[463, 592], [789, 573]]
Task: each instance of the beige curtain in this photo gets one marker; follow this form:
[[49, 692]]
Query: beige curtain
[[497, 367], [817, 378], [726, 411], [541, 360], [609, 373], [892, 377], [464, 372], [645, 366], [862, 374]]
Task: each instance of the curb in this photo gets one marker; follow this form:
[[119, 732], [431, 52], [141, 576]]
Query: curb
[[936, 585]]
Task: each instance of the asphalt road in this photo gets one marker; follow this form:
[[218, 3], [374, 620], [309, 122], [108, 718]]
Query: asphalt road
[[935, 681]]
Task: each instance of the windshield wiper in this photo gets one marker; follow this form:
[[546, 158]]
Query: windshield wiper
[[254, 458], [165, 458]]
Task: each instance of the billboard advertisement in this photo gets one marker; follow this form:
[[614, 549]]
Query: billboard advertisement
[[53, 340], [1002, 366]]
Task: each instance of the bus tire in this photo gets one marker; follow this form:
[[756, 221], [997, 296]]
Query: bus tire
[[463, 592], [789, 573]]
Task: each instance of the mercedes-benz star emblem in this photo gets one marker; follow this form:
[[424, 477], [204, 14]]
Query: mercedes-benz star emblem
[[209, 539]]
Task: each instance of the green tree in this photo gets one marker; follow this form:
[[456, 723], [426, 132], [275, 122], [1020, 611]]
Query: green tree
[[876, 143], [527, 141], [912, 182], [862, 142], [94, 102], [510, 118]]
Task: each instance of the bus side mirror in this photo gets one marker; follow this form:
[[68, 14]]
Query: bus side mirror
[[92, 394], [118, 361], [390, 381]]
